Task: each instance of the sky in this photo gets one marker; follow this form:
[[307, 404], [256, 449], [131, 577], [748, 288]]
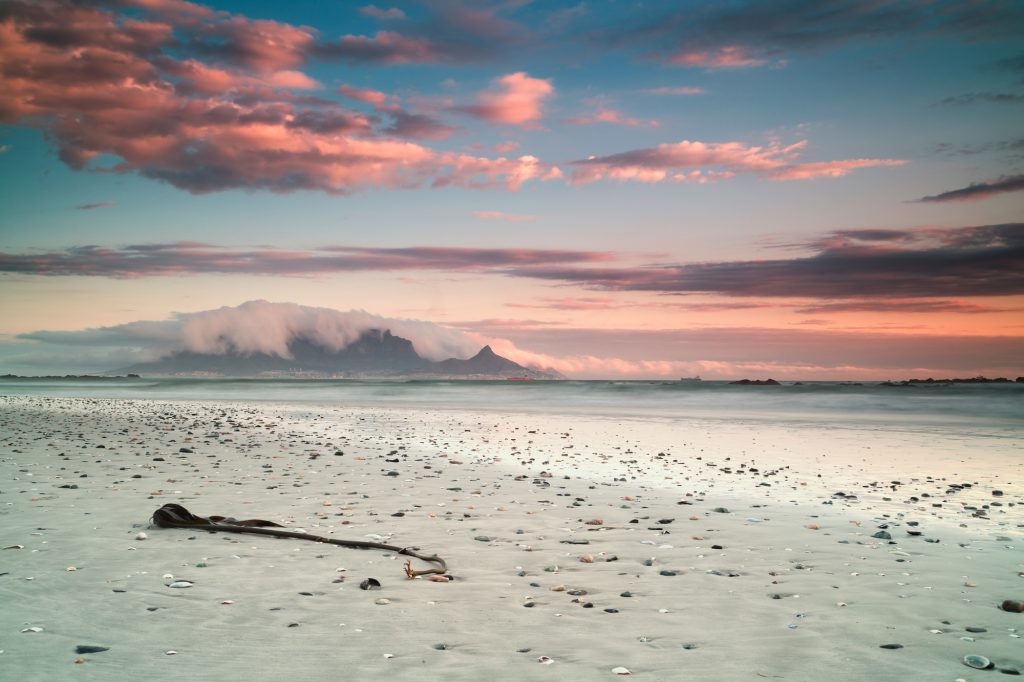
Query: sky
[[796, 189]]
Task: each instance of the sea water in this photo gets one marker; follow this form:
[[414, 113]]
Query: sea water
[[965, 405]]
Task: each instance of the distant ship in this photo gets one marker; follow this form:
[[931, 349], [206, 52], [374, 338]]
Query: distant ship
[[518, 378], [690, 379]]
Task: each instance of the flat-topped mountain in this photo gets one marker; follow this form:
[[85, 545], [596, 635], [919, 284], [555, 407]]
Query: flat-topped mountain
[[376, 353]]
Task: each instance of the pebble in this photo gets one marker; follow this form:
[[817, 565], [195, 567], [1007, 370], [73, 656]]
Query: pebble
[[381, 601], [621, 671], [441, 647], [975, 630], [545, 660], [482, 538], [34, 628], [180, 584], [141, 536], [370, 584], [890, 646], [976, 661], [90, 649], [882, 535], [1013, 606]]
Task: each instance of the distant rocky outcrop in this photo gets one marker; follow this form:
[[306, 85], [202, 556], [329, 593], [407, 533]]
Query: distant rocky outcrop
[[755, 382], [375, 354], [969, 380]]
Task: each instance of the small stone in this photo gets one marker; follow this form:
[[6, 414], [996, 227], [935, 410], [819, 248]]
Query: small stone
[[1013, 606], [441, 647], [976, 661], [545, 660], [882, 535], [381, 601], [587, 559], [975, 629], [621, 671], [594, 522], [890, 646], [180, 584], [720, 510], [370, 584], [668, 573], [34, 628], [627, 593], [171, 652], [90, 649], [141, 536], [482, 538]]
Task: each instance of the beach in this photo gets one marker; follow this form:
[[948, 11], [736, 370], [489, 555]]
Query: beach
[[581, 544]]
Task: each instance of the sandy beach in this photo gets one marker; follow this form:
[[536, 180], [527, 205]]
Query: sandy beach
[[579, 547]]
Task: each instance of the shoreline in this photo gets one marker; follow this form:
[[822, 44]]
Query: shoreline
[[463, 475]]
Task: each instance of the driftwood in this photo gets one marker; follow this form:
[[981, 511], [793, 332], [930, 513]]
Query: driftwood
[[176, 516]]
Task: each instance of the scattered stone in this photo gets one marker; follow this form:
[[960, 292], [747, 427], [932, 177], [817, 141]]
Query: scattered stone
[[979, 662], [90, 649], [482, 538], [882, 535], [720, 510], [1013, 606], [381, 601], [890, 646], [180, 584], [975, 629], [621, 671], [370, 584]]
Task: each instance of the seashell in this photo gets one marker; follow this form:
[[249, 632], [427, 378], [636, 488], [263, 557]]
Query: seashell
[[180, 584], [545, 660], [389, 655], [381, 601], [172, 652], [439, 579], [976, 661], [34, 628], [621, 671], [71, 569], [15, 547]]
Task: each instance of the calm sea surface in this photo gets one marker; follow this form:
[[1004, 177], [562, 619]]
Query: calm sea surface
[[961, 404]]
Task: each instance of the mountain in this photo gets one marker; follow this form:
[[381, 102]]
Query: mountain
[[375, 354]]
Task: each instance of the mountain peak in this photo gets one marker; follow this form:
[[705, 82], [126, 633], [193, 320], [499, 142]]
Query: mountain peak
[[486, 352]]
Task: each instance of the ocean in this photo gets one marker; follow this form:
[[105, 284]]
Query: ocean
[[963, 405]]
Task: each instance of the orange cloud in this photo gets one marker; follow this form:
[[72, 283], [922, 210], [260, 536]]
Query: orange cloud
[[516, 99]]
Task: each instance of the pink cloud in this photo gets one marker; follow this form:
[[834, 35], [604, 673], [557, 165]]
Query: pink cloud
[[507, 217], [678, 90], [505, 147], [515, 99], [389, 14], [728, 57], [613, 117], [693, 161], [363, 94], [385, 47], [102, 85]]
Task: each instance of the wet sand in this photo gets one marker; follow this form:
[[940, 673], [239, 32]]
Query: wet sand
[[577, 545]]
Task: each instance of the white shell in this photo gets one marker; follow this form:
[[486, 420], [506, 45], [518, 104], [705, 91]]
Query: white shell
[[180, 583], [621, 671]]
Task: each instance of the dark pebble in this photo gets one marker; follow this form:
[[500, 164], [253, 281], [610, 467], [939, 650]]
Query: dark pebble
[[391, 473], [370, 584], [524, 650], [441, 647], [90, 649], [891, 646], [529, 605], [482, 538], [689, 646], [668, 573], [626, 594], [611, 610], [717, 547], [975, 629], [293, 625], [882, 535]]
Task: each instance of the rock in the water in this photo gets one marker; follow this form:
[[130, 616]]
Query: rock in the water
[[90, 649], [976, 661]]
